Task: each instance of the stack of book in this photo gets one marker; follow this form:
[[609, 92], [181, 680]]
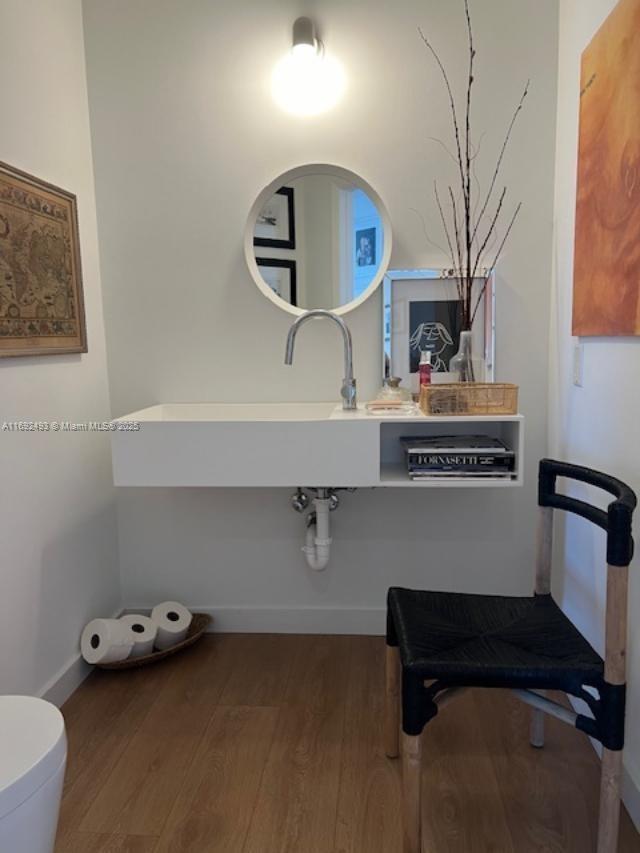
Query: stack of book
[[457, 456]]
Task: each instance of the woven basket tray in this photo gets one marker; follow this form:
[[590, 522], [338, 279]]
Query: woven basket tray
[[469, 398], [198, 627]]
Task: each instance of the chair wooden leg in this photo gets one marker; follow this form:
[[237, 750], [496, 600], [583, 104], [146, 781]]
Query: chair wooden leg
[[536, 730], [411, 799], [609, 821], [536, 727], [392, 703]]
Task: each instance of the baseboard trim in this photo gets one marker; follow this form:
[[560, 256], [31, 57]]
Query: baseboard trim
[[68, 678], [630, 790], [290, 620], [239, 620], [66, 681]]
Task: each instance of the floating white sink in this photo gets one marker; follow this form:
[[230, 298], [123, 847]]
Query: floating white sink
[[246, 444]]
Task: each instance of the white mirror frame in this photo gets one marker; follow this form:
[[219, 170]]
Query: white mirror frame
[[282, 180]]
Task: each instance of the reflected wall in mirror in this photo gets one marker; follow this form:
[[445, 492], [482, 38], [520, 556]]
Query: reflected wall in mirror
[[421, 311], [318, 237]]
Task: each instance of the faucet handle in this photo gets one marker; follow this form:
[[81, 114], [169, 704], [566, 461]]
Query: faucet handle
[[348, 393]]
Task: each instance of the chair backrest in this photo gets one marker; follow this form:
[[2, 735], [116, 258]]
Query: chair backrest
[[616, 521]]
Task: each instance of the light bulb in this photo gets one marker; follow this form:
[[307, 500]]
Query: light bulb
[[304, 51], [306, 82]]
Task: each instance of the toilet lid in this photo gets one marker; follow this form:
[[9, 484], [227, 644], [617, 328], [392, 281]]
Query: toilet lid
[[32, 747]]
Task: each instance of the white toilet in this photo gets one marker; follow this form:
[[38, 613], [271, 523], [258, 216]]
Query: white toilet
[[33, 754]]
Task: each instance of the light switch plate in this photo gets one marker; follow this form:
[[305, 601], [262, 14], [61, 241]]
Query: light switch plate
[[578, 365]]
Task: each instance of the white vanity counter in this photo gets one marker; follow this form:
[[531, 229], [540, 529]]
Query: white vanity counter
[[287, 444]]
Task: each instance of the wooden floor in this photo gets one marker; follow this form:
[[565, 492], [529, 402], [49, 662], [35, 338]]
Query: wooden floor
[[266, 744]]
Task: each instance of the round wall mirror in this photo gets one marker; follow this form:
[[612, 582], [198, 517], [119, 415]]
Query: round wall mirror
[[318, 237]]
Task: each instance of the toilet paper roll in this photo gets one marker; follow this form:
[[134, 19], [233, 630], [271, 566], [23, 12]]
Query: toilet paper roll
[[143, 631], [173, 620], [105, 641]]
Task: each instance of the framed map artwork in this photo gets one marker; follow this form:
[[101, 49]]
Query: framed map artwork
[[41, 305]]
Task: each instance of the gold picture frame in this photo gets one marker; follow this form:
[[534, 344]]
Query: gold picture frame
[[41, 296]]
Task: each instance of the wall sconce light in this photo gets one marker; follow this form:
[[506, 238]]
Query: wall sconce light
[[307, 81]]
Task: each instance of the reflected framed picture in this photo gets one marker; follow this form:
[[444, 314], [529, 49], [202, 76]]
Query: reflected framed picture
[[366, 247], [280, 275], [41, 301], [275, 226], [421, 311]]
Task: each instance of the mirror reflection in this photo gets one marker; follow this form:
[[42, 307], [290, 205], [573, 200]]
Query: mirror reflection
[[318, 241]]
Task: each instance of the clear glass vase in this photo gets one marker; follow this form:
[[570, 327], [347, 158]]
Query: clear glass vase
[[465, 366], [391, 390]]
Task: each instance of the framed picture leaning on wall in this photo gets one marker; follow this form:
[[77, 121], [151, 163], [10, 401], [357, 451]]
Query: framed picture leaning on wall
[[41, 300], [421, 312]]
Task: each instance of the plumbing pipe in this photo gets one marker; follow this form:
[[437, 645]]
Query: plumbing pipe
[[318, 546]]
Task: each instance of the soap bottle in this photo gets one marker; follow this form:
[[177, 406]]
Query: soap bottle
[[425, 367]]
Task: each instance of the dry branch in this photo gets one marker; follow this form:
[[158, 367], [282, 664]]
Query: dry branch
[[467, 244]]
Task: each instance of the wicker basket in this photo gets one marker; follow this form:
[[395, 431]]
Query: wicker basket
[[469, 398], [197, 628]]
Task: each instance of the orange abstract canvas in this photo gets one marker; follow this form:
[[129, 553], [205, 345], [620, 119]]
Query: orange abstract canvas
[[606, 285]]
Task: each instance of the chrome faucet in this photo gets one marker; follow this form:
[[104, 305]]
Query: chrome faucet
[[348, 390]]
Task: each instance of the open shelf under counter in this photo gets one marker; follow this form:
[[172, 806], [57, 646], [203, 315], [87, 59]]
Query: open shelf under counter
[[393, 470]]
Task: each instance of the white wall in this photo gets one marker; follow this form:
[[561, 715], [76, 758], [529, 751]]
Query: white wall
[[185, 134], [57, 509], [596, 425], [319, 232]]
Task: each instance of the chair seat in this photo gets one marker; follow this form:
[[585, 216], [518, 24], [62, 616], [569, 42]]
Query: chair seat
[[491, 640]]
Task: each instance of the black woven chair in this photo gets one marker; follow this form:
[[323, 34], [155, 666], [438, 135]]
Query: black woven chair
[[439, 643]]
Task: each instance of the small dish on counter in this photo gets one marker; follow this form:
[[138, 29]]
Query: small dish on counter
[[391, 407]]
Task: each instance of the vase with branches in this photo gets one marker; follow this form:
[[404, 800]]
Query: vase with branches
[[473, 221]]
